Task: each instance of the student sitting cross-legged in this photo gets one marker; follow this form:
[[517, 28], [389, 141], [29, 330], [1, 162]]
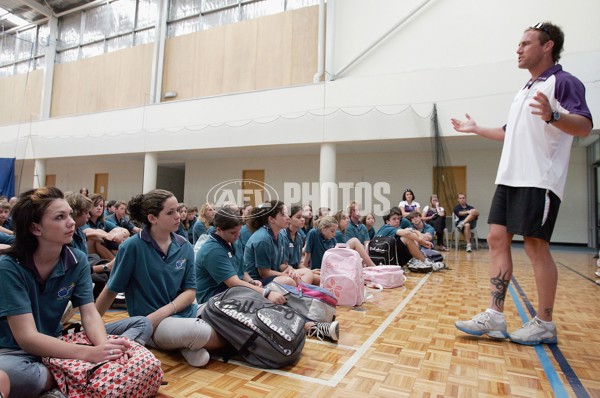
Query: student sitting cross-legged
[[39, 274], [155, 269]]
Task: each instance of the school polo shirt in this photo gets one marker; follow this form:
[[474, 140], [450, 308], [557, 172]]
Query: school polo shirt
[[198, 230], [339, 237], [426, 228], [387, 230], [22, 292], [245, 235], [215, 263], [151, 279], [262, 251], [535, 153], [292, 248], [316, 245], [358, 231], [79, 240], [103, 225]]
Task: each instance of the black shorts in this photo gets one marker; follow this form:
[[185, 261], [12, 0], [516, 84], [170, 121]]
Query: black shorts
[[526, 211], [404, 255]]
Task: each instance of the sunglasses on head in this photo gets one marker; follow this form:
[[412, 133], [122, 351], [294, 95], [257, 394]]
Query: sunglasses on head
[[541, 26]]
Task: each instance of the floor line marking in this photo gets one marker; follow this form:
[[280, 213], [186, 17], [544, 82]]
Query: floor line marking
[[347, 366]]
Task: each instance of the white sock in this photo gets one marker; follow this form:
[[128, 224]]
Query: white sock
[[543, 321], [496, 315]]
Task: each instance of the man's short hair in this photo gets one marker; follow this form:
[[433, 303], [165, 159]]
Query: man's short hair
[[549, 31], [393, 211]]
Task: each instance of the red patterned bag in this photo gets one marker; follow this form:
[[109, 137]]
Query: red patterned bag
[[140, 376]]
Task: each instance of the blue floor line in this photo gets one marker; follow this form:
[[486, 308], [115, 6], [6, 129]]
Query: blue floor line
[[555, 381], [568, 371]]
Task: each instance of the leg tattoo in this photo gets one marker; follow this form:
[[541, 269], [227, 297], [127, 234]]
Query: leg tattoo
[[500, 282], [548, 312]]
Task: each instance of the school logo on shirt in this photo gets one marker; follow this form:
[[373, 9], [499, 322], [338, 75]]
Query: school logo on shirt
[[180, 264], [66, 291]]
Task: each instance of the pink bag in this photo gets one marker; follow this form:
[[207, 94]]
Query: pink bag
[[384, 276], [140, 376], [342, 275]]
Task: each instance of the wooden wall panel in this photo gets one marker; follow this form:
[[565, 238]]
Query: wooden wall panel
[[110, 81], [240, 56], [269, 52], [20, 96]]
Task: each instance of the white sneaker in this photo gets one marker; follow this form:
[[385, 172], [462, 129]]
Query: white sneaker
[[322, 330], [469, 249], [483, 323], [196, 358], [435, 265], [597, 273], [535, 332], [416, 265]]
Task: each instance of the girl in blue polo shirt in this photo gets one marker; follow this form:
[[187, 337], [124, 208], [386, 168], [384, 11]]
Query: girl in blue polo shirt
[[323, 237], [263, 255], [39, 274], [292, 239], [155, 269]]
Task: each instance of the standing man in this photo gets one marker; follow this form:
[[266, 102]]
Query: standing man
[[466, 218], [542, 121]]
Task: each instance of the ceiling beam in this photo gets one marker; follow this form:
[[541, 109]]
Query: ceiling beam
[[42, 9]]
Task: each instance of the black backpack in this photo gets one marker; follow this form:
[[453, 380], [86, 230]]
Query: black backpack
[[383, 250], [266, 335]]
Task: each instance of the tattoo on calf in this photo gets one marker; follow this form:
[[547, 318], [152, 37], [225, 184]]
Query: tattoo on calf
[[548, 312], [501, 283]]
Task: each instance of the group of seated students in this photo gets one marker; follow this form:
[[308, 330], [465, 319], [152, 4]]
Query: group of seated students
[[165, 282]]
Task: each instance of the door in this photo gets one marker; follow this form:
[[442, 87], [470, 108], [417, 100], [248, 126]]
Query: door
[[101, 184], [253, 182], [448, 182], [50, 180]]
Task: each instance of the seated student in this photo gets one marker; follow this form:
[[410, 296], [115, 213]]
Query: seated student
[[355, 229], [435, 215], [322, 237], [84, 191], [184, 224], [81, 206], [109, 208], [263, 256], [155, 269], [120, 218], [409, 242], [417, 223], [216, 270], [467, 217], [204, 222], [5, 220], [408, 203], [245, 232], [368, 220], [307, 213], [292, 239], [100, 233], [342, 219], [192, 217], [40, 257]]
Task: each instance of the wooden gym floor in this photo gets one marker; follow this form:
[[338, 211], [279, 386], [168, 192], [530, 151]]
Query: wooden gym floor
[[402, 342]]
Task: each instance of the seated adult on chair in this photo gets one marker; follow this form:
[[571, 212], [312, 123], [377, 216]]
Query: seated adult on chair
[[466, 218]]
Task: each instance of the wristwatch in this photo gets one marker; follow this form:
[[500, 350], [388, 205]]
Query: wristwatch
[[105, 268], [555, 117]]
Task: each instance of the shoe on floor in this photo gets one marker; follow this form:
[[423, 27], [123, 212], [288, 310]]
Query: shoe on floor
[[535, 332], [322, 330], [435, 265], [196, 358], [483, 323], [416, 265], [597, 273], [469, 248]]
